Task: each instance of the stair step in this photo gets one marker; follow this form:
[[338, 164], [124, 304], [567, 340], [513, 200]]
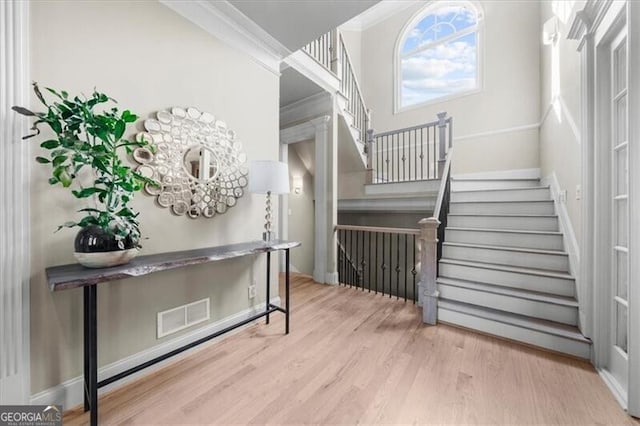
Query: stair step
[[550, 307], [560, 284], [551, 260], [542, 207], [533, 193], [463, 184], [541, 333], [544, 240], [513, 221]]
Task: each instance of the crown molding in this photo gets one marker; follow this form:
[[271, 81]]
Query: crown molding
[[222, 20], [376, 14], [585, 19]]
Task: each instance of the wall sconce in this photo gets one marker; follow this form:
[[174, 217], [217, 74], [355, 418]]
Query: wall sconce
[[298, 184]]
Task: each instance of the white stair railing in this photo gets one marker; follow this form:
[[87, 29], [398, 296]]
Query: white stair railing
[[330, 52]]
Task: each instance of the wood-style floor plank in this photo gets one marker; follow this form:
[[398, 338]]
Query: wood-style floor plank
[[359, 358]]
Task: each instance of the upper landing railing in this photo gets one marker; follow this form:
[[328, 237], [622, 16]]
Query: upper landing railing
[[330, 52], [413, 153], [403, 155]]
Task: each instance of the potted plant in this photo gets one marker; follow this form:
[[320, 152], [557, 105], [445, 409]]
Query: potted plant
[[84, 156]]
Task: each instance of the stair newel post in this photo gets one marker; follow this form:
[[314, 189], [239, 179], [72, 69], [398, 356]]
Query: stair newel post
[[442, 142], [428, 269], [369, 150]]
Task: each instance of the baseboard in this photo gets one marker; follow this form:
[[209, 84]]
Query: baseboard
[[568, 236], [331, 278], [70, 392], [618, 393], [502, 174]]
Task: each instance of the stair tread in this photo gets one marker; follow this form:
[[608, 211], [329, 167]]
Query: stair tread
[[503, 201], [545, 326], [510, 291], [523, 188], [505, 268], [473, 179], [506, 248], [508, 231], [502, 215]]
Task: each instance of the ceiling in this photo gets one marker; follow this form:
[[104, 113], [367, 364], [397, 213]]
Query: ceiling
[[294, 87], [294, 23]]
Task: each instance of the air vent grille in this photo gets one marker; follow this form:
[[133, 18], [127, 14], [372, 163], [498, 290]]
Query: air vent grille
[[176, 319]]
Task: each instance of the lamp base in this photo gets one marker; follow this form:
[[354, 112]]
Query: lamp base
[[268, 236]]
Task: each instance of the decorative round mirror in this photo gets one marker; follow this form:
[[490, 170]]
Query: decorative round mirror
[[197, 160]]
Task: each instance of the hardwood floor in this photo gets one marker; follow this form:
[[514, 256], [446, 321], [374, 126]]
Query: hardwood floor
[[354, 357]]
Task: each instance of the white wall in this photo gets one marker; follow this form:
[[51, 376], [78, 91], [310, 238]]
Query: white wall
[[148, 58], [301, 217], [509, 96], [560, 151]]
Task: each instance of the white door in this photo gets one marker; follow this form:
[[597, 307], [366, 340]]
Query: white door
[[618, 365]]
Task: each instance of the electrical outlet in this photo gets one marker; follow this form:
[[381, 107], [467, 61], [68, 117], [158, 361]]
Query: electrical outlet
[[252, 291], [578, 192], [562, 196]]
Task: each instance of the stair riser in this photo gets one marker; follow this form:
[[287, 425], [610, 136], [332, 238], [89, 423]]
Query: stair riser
[[538, 194], [504, 222], [536, 309], [505, 257], [492, 184], [505, 239], [533, 208], [551, 285], [509, 331]]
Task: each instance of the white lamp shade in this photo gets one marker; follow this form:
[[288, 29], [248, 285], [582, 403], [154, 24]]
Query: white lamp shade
[[268, 176]]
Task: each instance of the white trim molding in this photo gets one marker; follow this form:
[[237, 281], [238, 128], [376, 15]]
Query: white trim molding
[[222, 20], [14, 211], [305, 109], [498, 132], [70, 392], [568, 236]]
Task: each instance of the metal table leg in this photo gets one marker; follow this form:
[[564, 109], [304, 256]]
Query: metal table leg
[[286, 289], [267, 303], [91, 352]]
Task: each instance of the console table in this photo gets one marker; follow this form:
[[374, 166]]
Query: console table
[[75, 276]]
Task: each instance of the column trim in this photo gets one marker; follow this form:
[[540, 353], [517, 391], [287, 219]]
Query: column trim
[[15, 163]]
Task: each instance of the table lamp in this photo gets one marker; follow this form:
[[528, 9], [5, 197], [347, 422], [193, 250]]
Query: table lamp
[[268, 177]]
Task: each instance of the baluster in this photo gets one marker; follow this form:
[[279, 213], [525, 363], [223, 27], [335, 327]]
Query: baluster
[[363, 263], [422, 152], [384, 266], [435, 154], [370, 262], [404, 158], [350, 258], [405, 266], [414, 272], [376, 264], [398, 266], [390, 263]]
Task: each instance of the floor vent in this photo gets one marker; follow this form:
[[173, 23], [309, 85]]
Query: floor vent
[[176, 319]]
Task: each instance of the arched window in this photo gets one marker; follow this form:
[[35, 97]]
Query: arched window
[[437, 54]]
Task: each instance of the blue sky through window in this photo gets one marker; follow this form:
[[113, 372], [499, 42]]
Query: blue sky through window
[[432, 69]]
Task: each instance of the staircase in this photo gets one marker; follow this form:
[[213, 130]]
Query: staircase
[[504, 270]]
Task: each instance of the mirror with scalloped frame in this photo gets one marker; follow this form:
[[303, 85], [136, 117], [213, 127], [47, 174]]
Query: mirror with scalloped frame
[[197, 160]]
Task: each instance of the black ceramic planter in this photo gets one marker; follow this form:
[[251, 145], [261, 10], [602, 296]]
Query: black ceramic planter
[[95, 248]]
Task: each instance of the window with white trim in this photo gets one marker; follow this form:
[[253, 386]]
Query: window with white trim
[[437, 54]]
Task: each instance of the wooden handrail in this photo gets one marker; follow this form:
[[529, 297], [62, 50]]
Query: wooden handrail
[[406, 129], [408, 231]]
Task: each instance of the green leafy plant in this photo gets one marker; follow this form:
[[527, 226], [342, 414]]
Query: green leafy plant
[[85, 138]]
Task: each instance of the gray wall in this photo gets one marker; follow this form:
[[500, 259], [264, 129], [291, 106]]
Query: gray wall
[[148, 58], [560, 151], [509, 97], [301, 215]]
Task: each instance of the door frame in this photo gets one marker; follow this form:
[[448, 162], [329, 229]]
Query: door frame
[[619, 14]]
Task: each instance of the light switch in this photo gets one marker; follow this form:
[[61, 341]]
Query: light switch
[[578, 192]]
